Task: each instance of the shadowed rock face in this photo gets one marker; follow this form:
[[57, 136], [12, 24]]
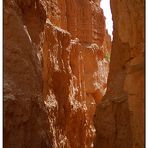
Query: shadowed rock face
[[55, 71], [119, 118]]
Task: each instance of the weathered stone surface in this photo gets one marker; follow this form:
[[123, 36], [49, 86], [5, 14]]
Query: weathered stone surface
[[120, 118], [55, 71], [56, 63], [72, 82], [25, 117]]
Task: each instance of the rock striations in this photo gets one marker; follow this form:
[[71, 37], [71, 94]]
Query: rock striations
[[56, 63], [120, 117]]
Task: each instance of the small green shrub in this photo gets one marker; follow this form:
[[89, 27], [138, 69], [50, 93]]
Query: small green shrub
[[107, 56]]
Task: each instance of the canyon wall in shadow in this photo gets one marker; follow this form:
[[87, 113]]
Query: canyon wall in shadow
[[120, 117], [56, 64]]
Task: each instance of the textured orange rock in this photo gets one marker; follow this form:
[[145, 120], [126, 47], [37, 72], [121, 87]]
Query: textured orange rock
[[120, 117], [83, 19], [72, 84], [25, 117], [55, 72]]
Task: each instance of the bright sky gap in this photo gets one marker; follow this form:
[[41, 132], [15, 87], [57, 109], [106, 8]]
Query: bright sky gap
[[105, 5]]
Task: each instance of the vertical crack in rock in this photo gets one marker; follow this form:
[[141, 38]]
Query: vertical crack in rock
[[56, 64]]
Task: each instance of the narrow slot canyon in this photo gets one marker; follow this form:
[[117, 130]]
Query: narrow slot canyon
[[73, 74]]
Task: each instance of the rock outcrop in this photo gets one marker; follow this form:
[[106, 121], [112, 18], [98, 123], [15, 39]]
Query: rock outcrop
[[56, 65], [120, 117]]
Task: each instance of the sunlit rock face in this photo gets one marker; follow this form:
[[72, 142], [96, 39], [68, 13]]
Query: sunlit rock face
[[56, 63], [119, 118]]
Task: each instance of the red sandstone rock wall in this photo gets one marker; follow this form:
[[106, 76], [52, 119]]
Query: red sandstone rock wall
[[25, 118], [55, 70], [120, 118]]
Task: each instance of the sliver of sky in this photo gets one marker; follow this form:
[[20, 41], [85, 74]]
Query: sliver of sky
[[105, 5]]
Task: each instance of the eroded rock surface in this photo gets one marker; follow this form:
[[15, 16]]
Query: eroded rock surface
[[120, 118], [55, 71]]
